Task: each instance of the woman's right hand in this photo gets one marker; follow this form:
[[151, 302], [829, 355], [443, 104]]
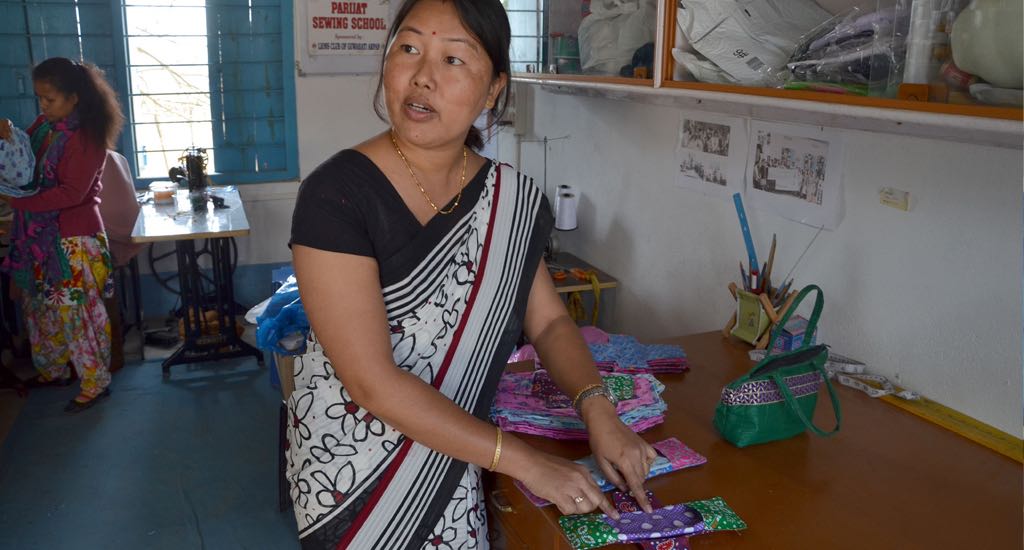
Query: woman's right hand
[[565, 484], [6, 129]]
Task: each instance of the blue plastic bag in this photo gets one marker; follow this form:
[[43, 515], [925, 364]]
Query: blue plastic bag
[[284, 319]]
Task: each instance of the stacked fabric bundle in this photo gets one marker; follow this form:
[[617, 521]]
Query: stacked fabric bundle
[[518, 408], [625, 354], [621, 353]]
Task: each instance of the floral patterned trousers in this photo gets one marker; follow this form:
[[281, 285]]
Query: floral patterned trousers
[[70, 323]]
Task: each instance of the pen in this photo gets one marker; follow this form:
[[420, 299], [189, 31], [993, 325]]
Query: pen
[[747, 239], [743, 277]]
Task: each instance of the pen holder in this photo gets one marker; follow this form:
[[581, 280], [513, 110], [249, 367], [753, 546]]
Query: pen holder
[[755, 316]]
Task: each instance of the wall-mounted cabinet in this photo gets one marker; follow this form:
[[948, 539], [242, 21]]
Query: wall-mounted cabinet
[[825, 56]]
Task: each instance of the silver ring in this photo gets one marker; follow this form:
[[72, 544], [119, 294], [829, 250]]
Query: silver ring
[[578, 500]]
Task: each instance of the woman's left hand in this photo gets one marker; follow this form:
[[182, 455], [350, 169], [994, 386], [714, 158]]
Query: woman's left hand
[[621, 454]]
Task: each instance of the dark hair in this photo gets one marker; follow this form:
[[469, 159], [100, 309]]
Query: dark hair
[[99, 112], [488, 22]]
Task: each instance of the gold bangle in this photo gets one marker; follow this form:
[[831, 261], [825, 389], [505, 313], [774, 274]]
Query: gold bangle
[[585, 388], [497, 451]]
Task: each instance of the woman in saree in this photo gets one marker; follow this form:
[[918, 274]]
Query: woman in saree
[[419, 263]]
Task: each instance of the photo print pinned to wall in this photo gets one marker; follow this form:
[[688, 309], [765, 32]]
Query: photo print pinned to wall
[[711, 154], [796, 172]]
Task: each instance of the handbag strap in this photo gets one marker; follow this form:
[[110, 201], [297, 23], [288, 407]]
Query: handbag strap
[[812, 323], [791, 401]]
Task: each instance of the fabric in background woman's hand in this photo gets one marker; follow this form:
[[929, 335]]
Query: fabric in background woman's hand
[[16, 165]]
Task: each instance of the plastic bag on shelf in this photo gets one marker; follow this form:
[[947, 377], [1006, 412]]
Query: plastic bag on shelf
[[854, 52], [283, 326], [613, 32], [750, 40]]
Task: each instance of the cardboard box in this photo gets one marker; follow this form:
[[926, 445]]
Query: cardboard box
[[792, 335]]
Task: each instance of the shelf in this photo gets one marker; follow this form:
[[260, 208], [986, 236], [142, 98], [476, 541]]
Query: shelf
[[781, 106]]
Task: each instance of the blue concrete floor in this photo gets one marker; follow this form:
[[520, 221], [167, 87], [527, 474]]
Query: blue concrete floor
[[187, 462]]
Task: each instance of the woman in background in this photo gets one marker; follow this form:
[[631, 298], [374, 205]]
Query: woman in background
[[419, 265], [59, 261]]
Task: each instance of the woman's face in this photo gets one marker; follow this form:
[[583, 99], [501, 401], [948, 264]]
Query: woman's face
[[437, 77], [54, 104]]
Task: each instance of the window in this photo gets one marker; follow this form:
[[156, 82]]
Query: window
[[526, 18], [215, 74]]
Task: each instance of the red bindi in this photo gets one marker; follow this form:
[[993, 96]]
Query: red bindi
[[434, 33]]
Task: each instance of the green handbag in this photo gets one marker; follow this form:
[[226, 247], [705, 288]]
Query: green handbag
[[776, 399]]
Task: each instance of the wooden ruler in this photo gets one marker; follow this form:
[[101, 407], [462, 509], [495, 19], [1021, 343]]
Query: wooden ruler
[[960, 423]]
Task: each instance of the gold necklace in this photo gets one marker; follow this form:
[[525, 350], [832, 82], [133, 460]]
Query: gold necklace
[[462, 182]]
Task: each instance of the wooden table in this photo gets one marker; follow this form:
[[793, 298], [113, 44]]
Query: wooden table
[[178, 222], [888, 479], [566, 261]]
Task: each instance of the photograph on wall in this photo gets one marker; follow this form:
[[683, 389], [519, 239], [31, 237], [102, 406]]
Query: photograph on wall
[[796, 171], [711, 154]]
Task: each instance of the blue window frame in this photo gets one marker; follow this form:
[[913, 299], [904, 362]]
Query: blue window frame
[[249, 91]]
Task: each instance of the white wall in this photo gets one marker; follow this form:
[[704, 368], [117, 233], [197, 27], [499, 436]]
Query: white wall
[[930, 297]]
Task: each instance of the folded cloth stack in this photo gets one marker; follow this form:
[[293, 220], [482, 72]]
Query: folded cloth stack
[[625, 354], [516, 408], [665, 527], [672, 455], [621, 353]]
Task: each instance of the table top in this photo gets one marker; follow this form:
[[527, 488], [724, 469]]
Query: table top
[[176, 221], [567, 261], [888, 479]]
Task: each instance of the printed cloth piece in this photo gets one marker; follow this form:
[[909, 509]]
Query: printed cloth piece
[[17, 163], [665, 522], [516, 409], [672, 455], [621, 387], [620, 353], [588, 531], [717, 515], [624, 502], [763, 392], [591, 335]]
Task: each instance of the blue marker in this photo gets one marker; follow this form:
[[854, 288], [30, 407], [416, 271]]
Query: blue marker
[[745, 228]]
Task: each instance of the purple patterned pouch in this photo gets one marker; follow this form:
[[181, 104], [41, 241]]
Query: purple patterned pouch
[[665, 525], [588, 531], [624, 502]]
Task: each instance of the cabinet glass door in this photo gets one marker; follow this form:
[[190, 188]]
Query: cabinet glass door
[[583, 37]]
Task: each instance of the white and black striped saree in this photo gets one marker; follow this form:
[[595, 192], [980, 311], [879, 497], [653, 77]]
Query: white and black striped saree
[[456, 298]]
